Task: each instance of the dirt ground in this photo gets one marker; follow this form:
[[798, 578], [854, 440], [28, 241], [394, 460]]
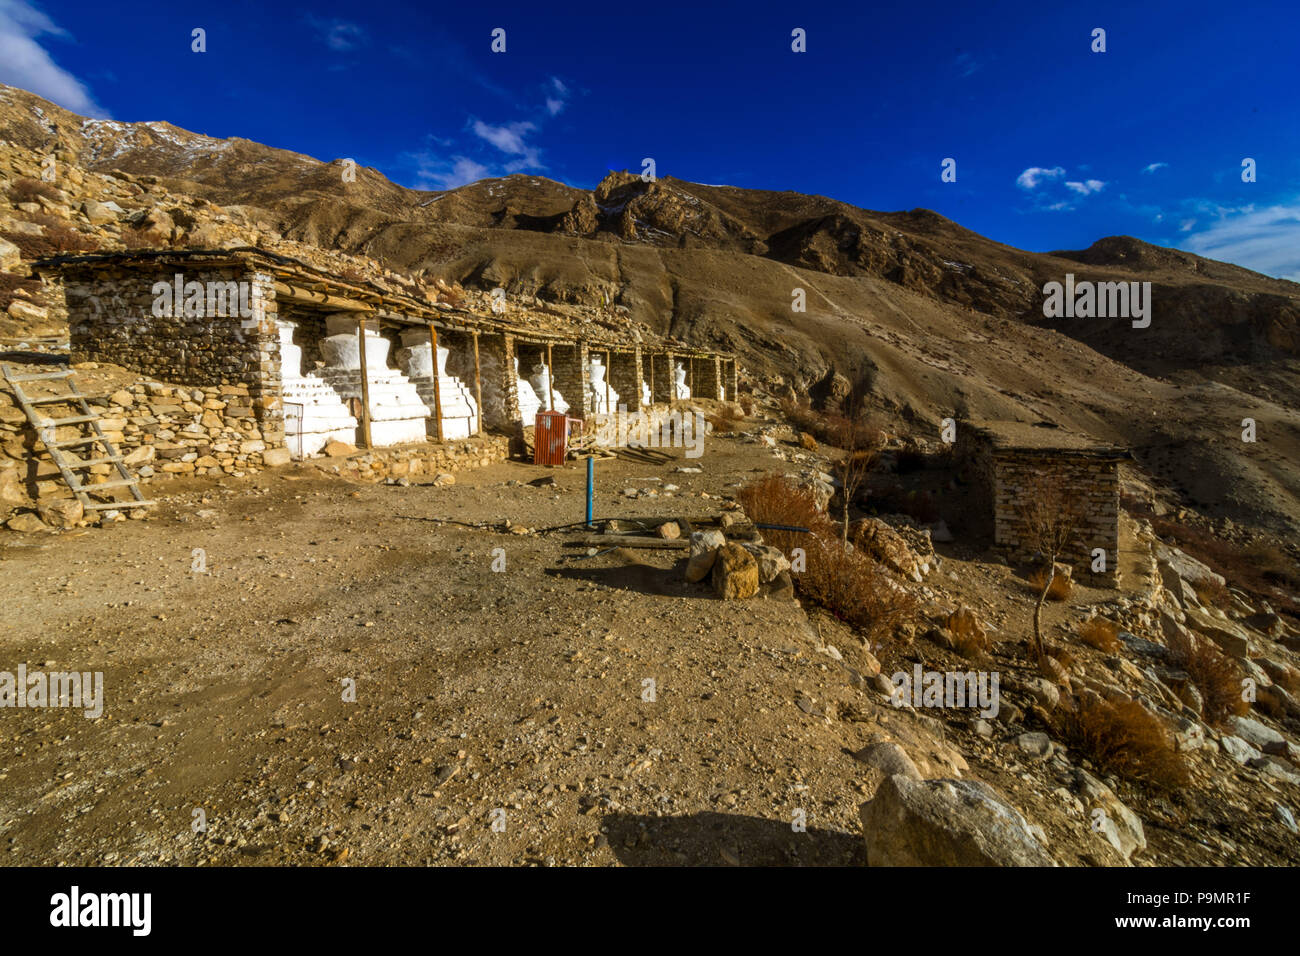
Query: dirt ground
[[484, 698]]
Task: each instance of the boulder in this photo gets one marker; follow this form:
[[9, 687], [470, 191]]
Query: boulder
[[275, 457], [1116, 823], [61, 512], [771, 562], [10, 255], [704, 549], [735, 573], [11, 489], [1186, 567], [339, 449], [26, 523], [1258, 735], [877, 539], [946, 823], [889, 758], [25, 311], [1232, 640], [782, 587], [1035, 744], [100, 213], [1238, 749]]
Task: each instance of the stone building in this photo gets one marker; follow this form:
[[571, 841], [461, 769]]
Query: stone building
[[295, 338], [1009, 464]]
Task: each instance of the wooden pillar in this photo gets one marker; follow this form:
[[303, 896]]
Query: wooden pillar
[[652, 378], [690, 381], [437, 384], [365, 382], [550, 380], [609, 370], [478, 386]]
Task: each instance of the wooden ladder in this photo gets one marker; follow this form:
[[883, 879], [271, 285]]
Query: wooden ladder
[[70, 464]]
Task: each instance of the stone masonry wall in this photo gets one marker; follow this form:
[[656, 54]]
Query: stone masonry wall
[[625, 378], [1093, 486], [572, 376], [663, 379]]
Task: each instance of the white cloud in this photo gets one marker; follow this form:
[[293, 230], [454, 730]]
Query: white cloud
[[554, 106], [339, 35], [1087, 187], [508, 138], [1032, 177], [1155, 167], [435, 172], [1265, 240], [25, 64]]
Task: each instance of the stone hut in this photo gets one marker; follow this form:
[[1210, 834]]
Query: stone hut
[[1006, 463]]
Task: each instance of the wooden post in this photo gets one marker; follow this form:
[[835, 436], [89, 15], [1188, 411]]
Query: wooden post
[[437, 383], [690, 382], [652, 378], [365, 383], [478, 386], [550, 381], [609, 367]]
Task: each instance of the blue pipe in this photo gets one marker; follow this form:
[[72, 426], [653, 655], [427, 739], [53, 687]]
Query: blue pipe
[[591, 487]]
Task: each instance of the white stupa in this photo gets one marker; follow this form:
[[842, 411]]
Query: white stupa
[[314, 414], [680, 389], [541, 387], [600, 404], [397, 413], [459, 412], [529, 403]]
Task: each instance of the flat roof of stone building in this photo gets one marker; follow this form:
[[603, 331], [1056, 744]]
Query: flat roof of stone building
[[1038, 437]]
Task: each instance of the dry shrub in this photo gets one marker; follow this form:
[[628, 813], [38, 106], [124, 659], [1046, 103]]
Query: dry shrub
[[1100, 633], [1212, 594], [849, 584], [747, 405], [968, 638], [1121, 737], [1214, 675], [58, 240], [807, 441], [1060, 588], [855, 589], [27, 189], [776, 499]]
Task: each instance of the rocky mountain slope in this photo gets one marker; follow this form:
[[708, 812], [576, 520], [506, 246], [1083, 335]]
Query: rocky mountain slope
[[943, 321]]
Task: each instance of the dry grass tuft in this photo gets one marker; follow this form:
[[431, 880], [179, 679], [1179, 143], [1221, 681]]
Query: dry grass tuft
[[1123, 738], [1213, 673], [27, 189], [1100, 633], [1060, 588], [968, 638]]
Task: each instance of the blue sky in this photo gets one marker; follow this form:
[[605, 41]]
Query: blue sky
[[1055, 145]]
